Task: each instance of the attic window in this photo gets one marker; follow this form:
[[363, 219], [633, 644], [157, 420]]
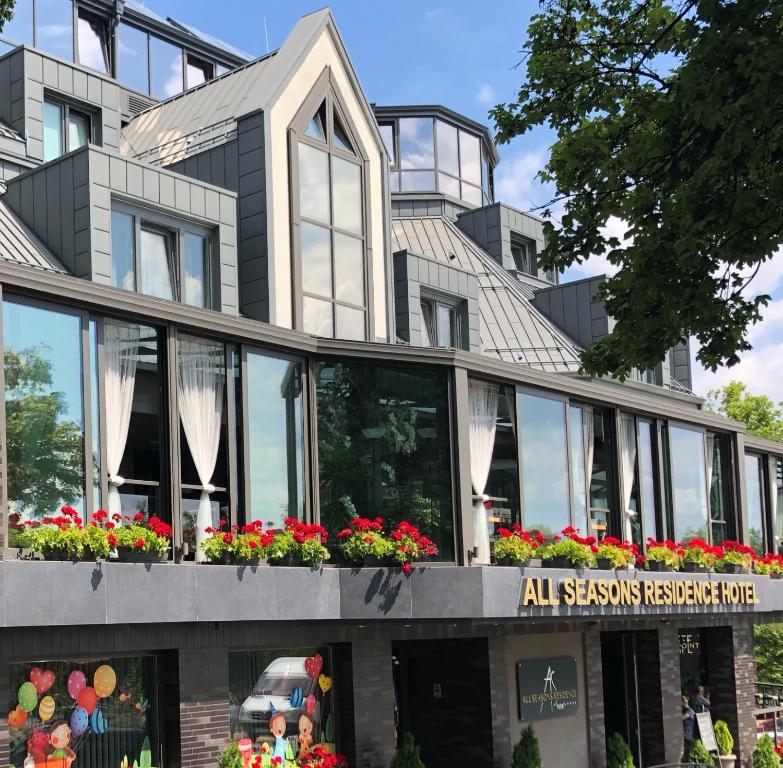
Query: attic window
[[316, 128], [341, 140]]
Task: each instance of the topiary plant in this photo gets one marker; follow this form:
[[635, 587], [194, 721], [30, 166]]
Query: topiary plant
[[764, 755], [526, 752], [696, 752], [617, 753], [231, 757], [408, 755], [724, 738]]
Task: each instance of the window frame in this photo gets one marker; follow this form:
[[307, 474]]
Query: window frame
[[326, 90], [67, 106], [529, 246], [453, 303], [174, 228], [106, 38]]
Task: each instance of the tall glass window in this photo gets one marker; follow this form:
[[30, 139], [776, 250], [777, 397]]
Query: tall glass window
[[647, 474], [777, 496], [44, 409], [718, 481], [688, 483], [166, 69], [600, 468], [195, 288], [544, 457], [754, 487], [64, 130], [19, 28], [578, 465], [92, 41], [416, 143], [54, 27], [156, 263], [384, 447], [133, 58], [275, 441]]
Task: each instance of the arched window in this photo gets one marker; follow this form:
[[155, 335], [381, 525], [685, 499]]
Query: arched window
[[330, 224]]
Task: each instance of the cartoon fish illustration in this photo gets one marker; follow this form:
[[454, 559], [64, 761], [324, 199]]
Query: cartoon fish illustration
[[142, 706]]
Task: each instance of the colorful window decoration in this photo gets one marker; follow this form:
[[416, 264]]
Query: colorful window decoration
[[282, 705], [87, 713]]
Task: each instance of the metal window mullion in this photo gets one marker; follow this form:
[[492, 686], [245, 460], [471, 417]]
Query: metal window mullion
[[246, 487], [174, 463], [101, 363], [3, 450], [149, 63], [231, 433], [137, 252], [312, 489]]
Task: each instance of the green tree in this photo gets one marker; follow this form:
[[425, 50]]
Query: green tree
[[409, 753], [667, 116], [618, 755], [6, 12], [758, 413], [39, 480], [696, 752], [526, 752], [764, 754], [768, 650]]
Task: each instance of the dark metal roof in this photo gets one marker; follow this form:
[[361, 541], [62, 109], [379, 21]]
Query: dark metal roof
[[20, 246], [511, 328]]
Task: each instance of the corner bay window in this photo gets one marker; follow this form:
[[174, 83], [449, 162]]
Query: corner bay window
[[384, 448], [65, 129], [161, 256], [329, 227]]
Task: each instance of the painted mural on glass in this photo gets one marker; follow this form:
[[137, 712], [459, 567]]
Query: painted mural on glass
[[96, 713]]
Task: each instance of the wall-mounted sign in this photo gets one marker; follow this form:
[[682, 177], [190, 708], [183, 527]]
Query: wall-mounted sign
[[706, 731], [690, 644], [631, 592], [546, 688]]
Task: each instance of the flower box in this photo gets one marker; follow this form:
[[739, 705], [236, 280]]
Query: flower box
[[734, 568], [605, 564], [659, 566], [230, 559], [558, 561], [374, 561], [133, 555], [514, 546], [689, 566], [508, 561], [288, 561]]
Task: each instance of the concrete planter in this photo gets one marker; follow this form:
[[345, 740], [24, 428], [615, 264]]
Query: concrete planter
[[727, 761]]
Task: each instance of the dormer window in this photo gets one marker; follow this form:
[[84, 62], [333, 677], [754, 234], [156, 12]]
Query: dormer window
[[523, 251], [330, 237], [65, 128]]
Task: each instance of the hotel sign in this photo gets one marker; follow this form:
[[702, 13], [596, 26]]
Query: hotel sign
[[546, 688], [569, 591]]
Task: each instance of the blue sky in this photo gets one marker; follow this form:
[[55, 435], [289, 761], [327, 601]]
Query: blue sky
[[464, 54]]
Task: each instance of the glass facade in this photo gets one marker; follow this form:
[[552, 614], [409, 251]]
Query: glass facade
[[688, 483], [777, 499], [384, 447], [84, 713], [754, 488], [647, 477]]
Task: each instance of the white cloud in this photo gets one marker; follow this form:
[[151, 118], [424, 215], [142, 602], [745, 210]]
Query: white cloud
[[516, 183], [598, 264], [486, 94]]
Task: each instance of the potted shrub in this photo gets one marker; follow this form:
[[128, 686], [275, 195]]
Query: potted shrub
[[409, 753], [764, 755], [514, 547], [662, 555], [613, 554], [618, 755], [526, 752], [697, 556], [410, 546], [64, 537], [769, 565], [725, 743], [569, 550], [734, 557], [141, 539], [696, 752], [298, 544], [364, 543], [239, 546]]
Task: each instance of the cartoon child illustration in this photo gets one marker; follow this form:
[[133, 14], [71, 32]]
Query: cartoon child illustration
[[60, 738], [277, 726], [305, 738]]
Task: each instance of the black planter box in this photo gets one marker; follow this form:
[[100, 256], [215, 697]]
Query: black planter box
[[289, 561], [690, 567], [131, 555], [507, 561], [734, 568], [559, 561], [659, 566]]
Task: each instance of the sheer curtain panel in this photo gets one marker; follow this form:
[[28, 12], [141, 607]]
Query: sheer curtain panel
[[483, 403]]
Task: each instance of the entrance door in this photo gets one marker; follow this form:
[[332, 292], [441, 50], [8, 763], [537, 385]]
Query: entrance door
[[443, 698], [632, 693]]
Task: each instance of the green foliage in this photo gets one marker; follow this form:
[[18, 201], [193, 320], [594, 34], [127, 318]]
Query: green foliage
[[39, 481], [579, 555], [513, 547], [329, 729], [618, 755], [696, 752], [408, 755], [145, 758], [769, 652], [764, 755], [6, 12], [723, 737], [667, 118], [129, 535], [526, 752], [758, 413], [361, 544], [230, 757]]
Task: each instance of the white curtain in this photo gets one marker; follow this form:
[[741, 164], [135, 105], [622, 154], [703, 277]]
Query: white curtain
[[121, 354], [483, 404], [628, 460], [201, 379]]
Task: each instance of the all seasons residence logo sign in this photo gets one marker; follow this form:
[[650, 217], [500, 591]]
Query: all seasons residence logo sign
[[569, 591]]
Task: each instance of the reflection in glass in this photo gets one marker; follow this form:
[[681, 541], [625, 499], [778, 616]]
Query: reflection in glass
[[647, 477], [92, 43], [196, 277], [417, 181], [197, 72], [471, 194], [44, 409], [348, 269], [631, 523], [275, 452], [416, 146], [448, 185], [578, 463], [347, 195], [777, 495], [470, 158], [341, 140], [384, 447], [447, 325], [688, 483], [316, 260], [448, 150], [95, 416], [132, 61], [316, 128], [166, 68], [314, 184], [544, 457], [348, 323], [123, 270], [428, 336], [19, 28], [600, 459], [717, 485], [54, 27], [387, 134], [52, 131], [78, 130], [156, 264], [753, 487], [317, 317]]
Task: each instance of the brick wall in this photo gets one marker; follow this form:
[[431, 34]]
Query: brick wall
[[671, 692], [203, 707], [502, 738], [594, 695]]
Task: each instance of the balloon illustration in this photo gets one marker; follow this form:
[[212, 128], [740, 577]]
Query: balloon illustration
[[28, 697], [46, 708], [104, 681], [325, 682], [42, 681], [296, 698], [87, 699], [98, 722], [310, 704], [314, 664], [76, 681], [17, 717], [80, 720]]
